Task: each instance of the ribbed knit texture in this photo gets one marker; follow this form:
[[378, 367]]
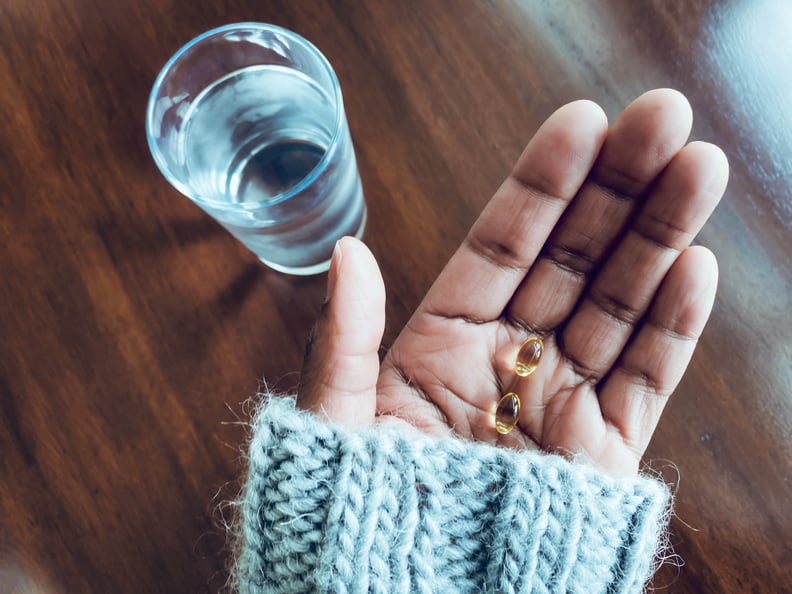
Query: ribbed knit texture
[[387, 511]]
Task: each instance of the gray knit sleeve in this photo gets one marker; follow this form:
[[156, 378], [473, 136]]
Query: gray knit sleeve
[[380, 510]]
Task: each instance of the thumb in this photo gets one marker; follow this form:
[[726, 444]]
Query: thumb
[[339, 377]]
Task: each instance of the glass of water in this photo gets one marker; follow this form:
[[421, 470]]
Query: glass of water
[[248, 121]]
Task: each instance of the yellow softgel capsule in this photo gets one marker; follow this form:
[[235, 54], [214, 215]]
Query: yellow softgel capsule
[[528, 356], [507, 413]]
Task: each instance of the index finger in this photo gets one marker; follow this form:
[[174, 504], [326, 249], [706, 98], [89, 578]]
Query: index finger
[[483, 274]]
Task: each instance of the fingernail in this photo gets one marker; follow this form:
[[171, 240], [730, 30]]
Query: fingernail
[[332, 273]]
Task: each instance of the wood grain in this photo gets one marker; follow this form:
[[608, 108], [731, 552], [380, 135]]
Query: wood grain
[[133, 328]]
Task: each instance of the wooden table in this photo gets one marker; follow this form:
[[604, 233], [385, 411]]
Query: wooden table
[[133, 328]]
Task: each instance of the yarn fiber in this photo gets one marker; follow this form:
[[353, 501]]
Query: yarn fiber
[[384, 510]]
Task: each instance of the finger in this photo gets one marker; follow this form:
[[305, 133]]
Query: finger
[[617, 299], [340, 373], [639, 145], [483, 274], [635, 393]]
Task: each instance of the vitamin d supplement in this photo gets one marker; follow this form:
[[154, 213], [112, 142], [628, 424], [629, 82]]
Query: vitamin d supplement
[[507, 413], [528, 356]]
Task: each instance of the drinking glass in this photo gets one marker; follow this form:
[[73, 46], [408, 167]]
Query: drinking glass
[[248, 121]]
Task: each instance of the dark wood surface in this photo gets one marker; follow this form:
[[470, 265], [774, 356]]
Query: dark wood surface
[[132, 328]]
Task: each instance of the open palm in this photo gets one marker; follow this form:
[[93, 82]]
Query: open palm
[[586, 245]]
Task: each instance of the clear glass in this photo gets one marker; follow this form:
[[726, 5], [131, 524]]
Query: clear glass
[[247, 120]]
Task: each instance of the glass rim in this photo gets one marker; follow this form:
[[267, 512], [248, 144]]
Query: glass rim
[[297, 188]]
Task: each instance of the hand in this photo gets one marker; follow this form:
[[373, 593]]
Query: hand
[[586, 245]]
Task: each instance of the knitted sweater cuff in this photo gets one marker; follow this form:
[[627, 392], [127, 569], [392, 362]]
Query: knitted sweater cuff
[[386, 510]]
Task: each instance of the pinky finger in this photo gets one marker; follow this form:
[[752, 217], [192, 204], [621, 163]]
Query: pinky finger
[[636, 391]]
